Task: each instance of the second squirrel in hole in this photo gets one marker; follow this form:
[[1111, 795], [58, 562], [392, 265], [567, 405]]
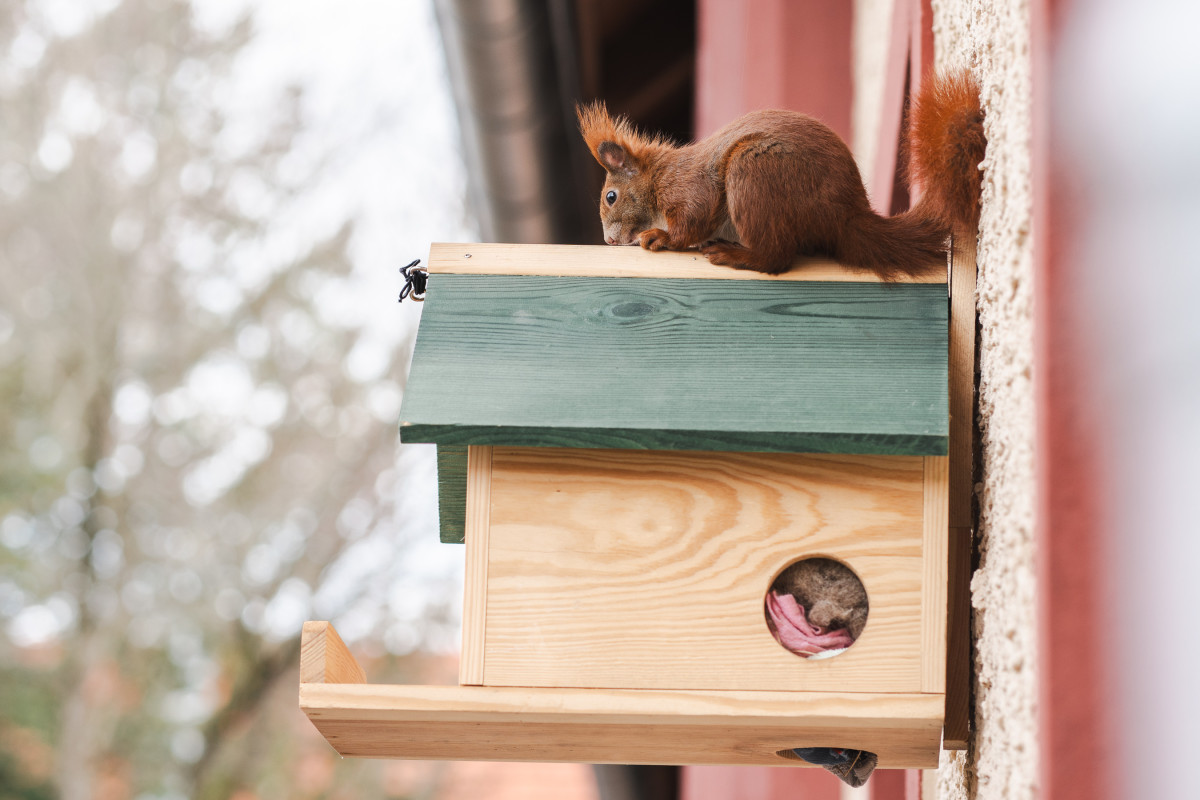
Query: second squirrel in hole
[[778, 184], [831, 594]]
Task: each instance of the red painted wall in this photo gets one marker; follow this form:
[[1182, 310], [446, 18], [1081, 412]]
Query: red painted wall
[[758, 783], [773, 54]]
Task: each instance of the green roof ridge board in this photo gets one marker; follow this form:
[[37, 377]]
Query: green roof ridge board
[[695, 364]]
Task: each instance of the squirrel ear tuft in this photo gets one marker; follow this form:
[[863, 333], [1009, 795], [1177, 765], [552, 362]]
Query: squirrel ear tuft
[[614, 158], [614, 143]]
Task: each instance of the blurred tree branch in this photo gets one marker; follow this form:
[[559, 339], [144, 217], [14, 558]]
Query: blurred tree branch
[[251, 690], [184, 453]]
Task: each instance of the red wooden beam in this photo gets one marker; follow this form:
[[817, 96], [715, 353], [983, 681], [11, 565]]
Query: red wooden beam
[[921, 41], [1073, 704], [773, 54], [895, 88]]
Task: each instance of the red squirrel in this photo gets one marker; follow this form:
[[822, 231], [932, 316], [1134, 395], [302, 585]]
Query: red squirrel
[[777, 184]]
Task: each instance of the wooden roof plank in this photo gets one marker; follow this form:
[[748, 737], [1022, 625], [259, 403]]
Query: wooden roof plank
[[670, 363]]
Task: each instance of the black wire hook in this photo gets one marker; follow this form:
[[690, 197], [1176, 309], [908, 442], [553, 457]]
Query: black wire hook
[[415, 280]]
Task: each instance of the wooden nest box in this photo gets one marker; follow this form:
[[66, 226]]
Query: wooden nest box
[[634, 445]]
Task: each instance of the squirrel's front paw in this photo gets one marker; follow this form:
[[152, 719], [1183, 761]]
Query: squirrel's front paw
[[654, 239]]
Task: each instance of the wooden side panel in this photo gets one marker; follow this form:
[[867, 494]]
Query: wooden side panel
[[324, 657], [962, 380], [680, 364], [933, 590], [599, 261], [625, 569], [475, 578], [452, 491], [482, 723]]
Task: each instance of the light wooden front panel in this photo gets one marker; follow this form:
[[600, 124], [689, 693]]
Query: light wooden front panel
[[647, 569]]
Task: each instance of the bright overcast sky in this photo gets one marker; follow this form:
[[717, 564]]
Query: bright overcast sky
[[378, 110], [378, 100]]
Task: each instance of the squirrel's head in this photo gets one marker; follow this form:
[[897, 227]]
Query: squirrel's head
[[628, 201]]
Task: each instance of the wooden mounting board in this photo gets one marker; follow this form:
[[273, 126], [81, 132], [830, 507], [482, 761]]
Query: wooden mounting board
[[961, 488], [610, 726]]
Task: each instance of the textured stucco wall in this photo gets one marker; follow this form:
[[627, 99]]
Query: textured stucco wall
[[992, 38]]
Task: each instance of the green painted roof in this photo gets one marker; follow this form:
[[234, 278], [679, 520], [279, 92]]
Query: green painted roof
[[671, 363]]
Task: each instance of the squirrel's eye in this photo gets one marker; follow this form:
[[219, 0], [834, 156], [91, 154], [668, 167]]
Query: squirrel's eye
[[611, 197]]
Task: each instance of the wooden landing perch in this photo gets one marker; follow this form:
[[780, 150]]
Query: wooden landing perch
[[482, 723]]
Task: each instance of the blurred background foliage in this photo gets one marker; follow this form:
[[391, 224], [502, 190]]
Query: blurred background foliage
[[201, 365]]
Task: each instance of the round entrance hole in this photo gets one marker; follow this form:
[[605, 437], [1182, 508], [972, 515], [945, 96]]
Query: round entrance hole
[[816, 608]]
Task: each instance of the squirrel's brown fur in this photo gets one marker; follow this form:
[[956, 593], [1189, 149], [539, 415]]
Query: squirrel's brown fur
[[832, 595], [776, 184]]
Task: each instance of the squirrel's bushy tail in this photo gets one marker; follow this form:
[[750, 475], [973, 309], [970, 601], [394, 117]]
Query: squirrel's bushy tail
[[944, 144], [892, 246]]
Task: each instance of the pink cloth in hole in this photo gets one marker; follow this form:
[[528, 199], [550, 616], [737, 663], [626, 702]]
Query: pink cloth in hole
[[796, 633]]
